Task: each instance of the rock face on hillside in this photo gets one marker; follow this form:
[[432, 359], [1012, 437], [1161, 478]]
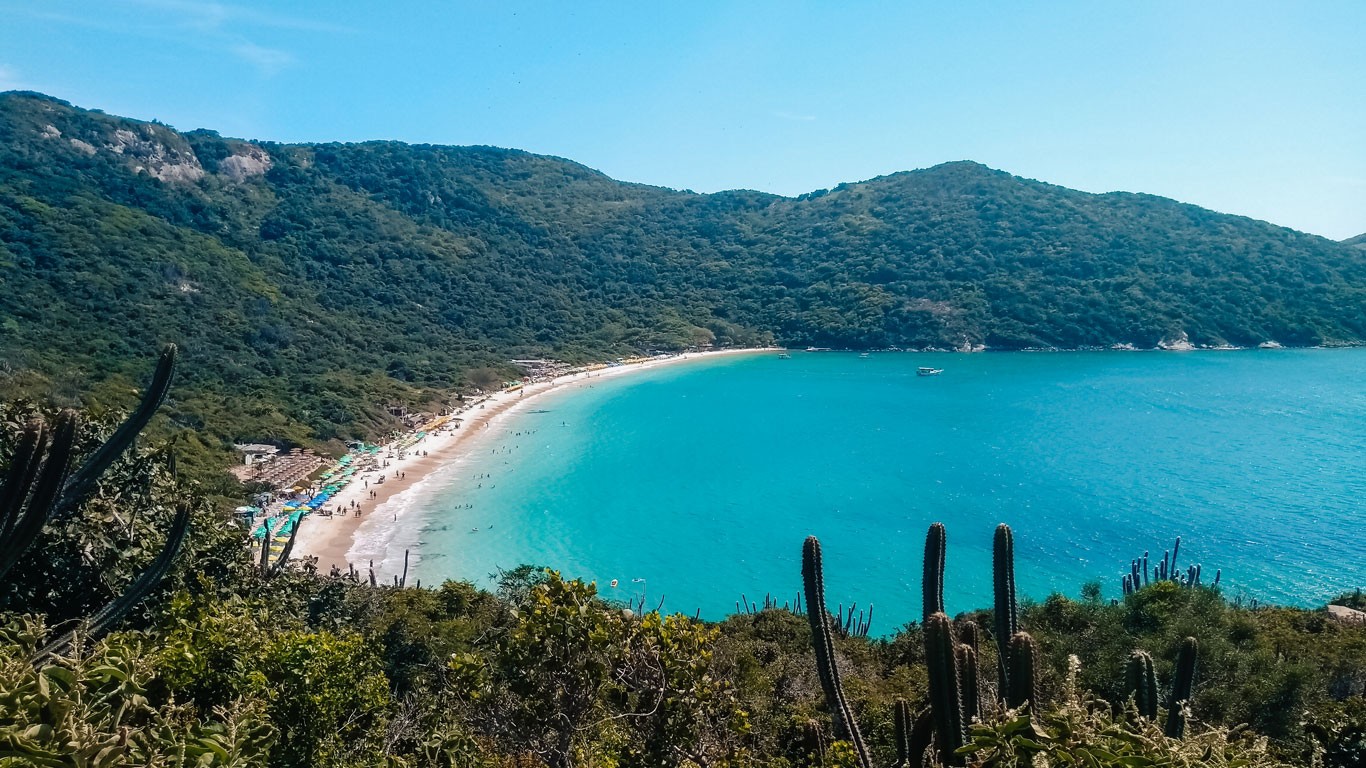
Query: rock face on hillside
[[1359, 241], [381, 269], [1347, 615], [248, 160], [152, 149]]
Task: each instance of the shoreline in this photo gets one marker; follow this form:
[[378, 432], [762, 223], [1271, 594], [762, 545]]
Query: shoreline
[[350, 540]]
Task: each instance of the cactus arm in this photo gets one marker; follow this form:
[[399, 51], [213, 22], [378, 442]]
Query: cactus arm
[[901, 732], [822, 640], [966, 659], [83, 480], [946, 699], [28, 521], [1140, 681], [1006, 613], [1024, 680], [922, 733], [932, 580], [134, 594], [1181, 687], [22, 471]]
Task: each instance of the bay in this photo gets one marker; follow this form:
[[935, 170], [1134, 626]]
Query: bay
[[698, 482]]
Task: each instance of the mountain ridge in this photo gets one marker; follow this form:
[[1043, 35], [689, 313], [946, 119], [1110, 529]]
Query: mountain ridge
[[310, 284]]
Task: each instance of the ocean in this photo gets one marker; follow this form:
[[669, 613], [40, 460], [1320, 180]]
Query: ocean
[[697, 483]]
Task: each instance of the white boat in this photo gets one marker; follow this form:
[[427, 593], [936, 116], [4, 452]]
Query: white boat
[[863, 355], [925, 371], [817, 349]]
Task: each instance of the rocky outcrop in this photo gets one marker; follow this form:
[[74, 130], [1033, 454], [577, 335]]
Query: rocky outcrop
[[247, 161], [1177, 342], [1346, 615], [154, 157]]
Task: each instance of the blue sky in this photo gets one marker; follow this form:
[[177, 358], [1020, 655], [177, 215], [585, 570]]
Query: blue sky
[[1245, 107]]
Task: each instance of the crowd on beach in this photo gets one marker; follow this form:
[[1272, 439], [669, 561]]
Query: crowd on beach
[[277, 518]]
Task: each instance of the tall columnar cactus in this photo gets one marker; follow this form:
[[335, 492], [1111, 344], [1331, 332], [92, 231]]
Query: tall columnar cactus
[[902, 726], [1006, 613], [1140, 681], [965, 656], [83, 480], [1181, 687], [1023, 656], [946, 696], [922, 734], [135, 593], [970, 634], [36, 490], [33, 485], [932, 580], [822, 639]]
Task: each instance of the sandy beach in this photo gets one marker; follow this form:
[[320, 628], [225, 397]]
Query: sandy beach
[[356, 540]]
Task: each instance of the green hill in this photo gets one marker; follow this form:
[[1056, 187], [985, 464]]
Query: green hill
[[307, 284], [1359, 241]]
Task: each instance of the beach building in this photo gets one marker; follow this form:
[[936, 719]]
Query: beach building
[[253, 453]]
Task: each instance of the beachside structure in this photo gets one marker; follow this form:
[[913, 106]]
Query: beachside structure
[[253, 453]]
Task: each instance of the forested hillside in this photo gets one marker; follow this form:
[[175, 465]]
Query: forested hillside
[[307, 284]]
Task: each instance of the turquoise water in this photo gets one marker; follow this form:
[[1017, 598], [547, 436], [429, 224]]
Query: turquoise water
[[704, 478]]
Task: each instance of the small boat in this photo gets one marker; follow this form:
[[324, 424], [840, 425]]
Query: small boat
[[924, 371], [784, 356], [863, 356]]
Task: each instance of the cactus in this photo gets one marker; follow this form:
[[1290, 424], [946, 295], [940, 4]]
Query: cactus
[[118, 608], [813, 743], [965, 656], [970, 634], [1140, 681], [1003, 582], [28, 454], [1181, 688], [32, 486], [932, 581], [83, 480], [822, 639], [37, 490], [922, 733], [901, 732], [946, 698], [1023, 656]]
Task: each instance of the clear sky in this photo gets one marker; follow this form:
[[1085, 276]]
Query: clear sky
[[1255, 108]]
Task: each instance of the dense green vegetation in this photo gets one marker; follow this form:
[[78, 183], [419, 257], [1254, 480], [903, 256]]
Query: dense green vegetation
[[310, 285], [227, 665]]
